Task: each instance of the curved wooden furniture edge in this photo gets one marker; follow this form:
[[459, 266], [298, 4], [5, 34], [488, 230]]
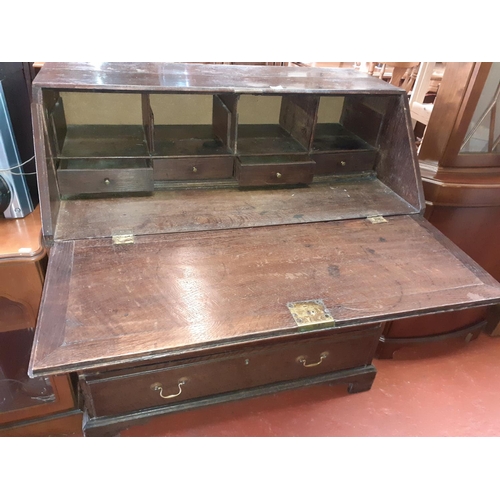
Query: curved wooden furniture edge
[[387, 346], [21, 239]]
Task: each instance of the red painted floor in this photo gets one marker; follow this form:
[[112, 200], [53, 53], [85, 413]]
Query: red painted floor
[[450, 389]]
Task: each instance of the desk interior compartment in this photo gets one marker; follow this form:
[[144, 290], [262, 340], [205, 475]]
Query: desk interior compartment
[[193, 136], [274, 124], [99, 143], [346, 134], [96, 124]]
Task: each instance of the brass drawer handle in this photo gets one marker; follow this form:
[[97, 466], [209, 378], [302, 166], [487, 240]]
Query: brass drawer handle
[[159, 387], [278, 175], [302, 360]]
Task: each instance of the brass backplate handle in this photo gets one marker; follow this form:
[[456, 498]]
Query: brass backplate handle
[[303, 360], [159, 387]]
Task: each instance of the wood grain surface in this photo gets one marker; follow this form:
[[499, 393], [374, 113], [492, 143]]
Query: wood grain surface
[[168, 293], [178, 77], [210, 209]]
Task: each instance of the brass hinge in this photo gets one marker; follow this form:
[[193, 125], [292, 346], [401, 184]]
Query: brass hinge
[[309, 313], [376, 219], [123, 239]]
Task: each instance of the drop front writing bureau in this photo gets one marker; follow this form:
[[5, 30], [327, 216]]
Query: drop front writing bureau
[[219, 232]]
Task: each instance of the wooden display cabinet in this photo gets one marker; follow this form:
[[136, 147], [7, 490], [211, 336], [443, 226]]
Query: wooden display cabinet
[[460, 166], [221, 232]]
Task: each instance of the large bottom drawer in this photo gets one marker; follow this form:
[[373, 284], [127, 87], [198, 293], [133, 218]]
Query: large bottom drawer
[[161, 385]]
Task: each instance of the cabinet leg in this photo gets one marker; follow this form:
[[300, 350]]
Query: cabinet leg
[[364, 383], [493, 322], [386, 351]]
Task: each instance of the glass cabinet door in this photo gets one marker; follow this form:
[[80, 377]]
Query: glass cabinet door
[[483, 134]]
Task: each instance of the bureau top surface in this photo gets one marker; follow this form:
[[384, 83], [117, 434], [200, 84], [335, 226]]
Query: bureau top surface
[[179, 77], [173, 294]]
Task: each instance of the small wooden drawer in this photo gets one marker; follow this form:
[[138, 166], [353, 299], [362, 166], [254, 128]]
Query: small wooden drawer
[[193, 168], [344, 162], [195, 378], [96, 176], [274, 170]]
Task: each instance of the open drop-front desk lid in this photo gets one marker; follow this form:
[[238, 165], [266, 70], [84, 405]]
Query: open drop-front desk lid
[[207, 268], [106, 303]]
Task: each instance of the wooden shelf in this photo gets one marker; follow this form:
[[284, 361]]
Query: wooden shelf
[[331, 137], [104, 141], [266, 139], [187, 140], [210, 209]]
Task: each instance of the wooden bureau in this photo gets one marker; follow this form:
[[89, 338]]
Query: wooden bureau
[[220, 232]]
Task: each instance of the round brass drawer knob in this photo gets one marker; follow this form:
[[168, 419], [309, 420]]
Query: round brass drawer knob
[[107, 181], [343, 163], [278, 175], [195, 170]]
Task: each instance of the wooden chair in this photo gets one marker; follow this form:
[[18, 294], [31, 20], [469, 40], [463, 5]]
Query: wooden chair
[[400, 74]]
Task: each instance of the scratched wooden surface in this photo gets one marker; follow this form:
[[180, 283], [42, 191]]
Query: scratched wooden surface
[[209, 209], [178, 77], [174, 292]]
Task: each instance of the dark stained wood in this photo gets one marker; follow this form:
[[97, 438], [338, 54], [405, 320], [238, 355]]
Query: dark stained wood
[[358, 379], [46, 169], [188, 140], [222, 351], [58, 123], [104, 141], [362, 116], [266, 139], [203, 78], [193, 168], [221, 120], [462, 195], [78, 177], [397, 165], [205, 283], [298, 116], [57, 281], [212, 209], [493, 321], [148, 121], [219, 287], [227, 373], [274, 170], [389, 345], [231, 102], [330, 137], [344, 162]]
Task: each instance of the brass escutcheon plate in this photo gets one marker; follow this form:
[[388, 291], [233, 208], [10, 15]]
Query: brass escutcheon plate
[[310, 312]]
